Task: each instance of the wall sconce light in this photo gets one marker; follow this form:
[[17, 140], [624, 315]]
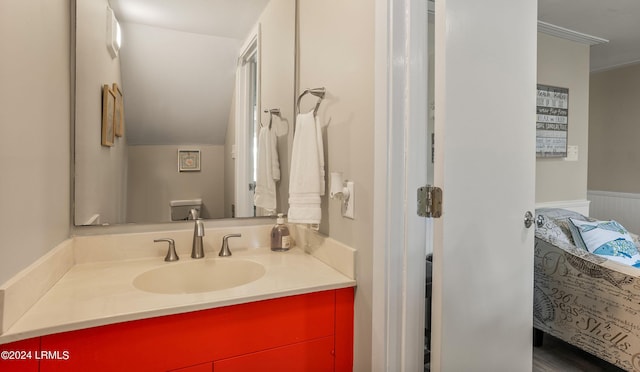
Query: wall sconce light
[[342, 190], [114, 34]]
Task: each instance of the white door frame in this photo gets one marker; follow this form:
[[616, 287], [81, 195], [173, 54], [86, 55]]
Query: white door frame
[[400, 167], [243, 120]]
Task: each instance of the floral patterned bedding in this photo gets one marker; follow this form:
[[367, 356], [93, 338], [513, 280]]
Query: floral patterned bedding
[[584, 299]]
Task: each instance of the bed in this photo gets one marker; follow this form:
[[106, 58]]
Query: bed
[[584, 299]]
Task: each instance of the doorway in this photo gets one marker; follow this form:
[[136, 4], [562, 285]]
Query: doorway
[[484, 95]]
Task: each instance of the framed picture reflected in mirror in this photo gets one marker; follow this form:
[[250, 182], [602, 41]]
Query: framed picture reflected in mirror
[[188, 160], [108, 113], [118, 118]]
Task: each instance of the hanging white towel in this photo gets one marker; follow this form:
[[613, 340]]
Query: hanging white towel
[[306, 183], [268, 170]]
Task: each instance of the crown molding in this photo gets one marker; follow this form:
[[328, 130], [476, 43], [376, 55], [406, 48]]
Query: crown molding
[[565, 33]]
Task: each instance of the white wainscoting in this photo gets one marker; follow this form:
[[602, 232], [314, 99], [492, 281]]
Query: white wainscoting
[[620, 206], [580, 206]]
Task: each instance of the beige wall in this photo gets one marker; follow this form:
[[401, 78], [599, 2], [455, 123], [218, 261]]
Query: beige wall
[[277, 84], [277, 90], [614, 112], [100, 172], [154, 181], [178, 84], [565, 64], [34, 130], [336, 51], [229, 162]]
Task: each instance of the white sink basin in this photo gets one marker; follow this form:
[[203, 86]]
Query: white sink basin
[[199, 276]]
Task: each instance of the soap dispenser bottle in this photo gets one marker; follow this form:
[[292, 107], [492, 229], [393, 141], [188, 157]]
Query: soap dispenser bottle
[[280, 239]]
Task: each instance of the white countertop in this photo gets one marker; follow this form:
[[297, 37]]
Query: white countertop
[[98, 293]]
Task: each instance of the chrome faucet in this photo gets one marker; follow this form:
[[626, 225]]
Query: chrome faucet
[[224, 250], [197, 250], [171, 253]]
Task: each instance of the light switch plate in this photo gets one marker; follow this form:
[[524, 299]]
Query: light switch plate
[[348, 207], [572, 153]]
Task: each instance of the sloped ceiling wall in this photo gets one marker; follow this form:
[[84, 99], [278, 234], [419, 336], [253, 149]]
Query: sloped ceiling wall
[[177, 85], [178, 67]]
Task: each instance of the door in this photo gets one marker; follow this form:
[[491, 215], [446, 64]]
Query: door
[[485, 81]]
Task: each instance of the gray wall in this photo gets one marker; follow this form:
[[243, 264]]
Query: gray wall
[[277, 85], [565, 64], [100, 171], [277, 90], [34, 130], [340, 57], [178, 85], [229, 162], [154, 180], [614, 159]]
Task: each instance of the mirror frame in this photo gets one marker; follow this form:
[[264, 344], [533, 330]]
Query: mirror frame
[[161, 225]]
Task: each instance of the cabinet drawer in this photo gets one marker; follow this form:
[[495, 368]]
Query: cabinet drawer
[[309, 356], [188, 339]]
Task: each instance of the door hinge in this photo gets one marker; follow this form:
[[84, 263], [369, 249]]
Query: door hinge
[[429, 201]]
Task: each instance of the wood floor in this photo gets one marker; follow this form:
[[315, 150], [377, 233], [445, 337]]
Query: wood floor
[[557, 356]]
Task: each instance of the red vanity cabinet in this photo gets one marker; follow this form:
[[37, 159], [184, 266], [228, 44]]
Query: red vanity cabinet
[[310, 332], [20, 355]]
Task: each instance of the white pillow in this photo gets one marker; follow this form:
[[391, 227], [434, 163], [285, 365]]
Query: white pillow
[[607, 239]]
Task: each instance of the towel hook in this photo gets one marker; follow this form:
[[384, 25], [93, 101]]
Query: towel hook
[[272, 112], [318, 92]]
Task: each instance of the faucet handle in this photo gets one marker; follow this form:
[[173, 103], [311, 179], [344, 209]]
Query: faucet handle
[[171, 253], [224, 250], [194, 214]]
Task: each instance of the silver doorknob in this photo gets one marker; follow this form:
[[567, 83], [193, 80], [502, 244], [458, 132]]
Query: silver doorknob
[[528, 219]]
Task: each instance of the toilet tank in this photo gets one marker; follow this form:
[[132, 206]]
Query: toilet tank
[[180, 208]]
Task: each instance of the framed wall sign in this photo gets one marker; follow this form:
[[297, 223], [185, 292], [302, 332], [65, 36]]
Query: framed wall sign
[[188, 160], [552, 121], [108, 112]]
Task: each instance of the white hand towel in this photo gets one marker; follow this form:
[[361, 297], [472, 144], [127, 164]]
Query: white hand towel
[[306, 183], [268, 170]]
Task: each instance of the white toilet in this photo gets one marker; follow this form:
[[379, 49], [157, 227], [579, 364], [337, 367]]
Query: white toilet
[[181, 209]]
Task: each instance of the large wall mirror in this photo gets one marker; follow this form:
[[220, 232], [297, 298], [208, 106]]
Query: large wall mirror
[[196, 79]]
